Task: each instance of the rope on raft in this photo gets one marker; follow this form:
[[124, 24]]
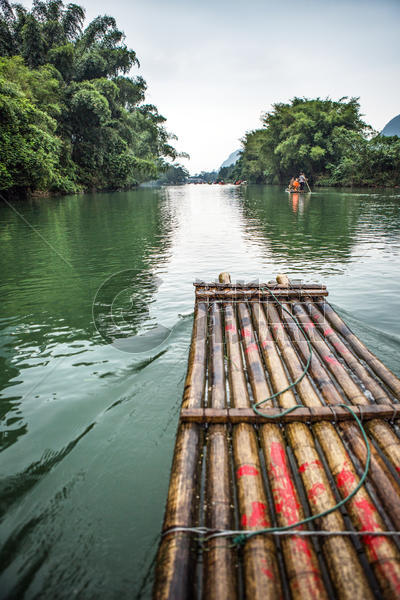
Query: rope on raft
[[241, 536], [302, 532]]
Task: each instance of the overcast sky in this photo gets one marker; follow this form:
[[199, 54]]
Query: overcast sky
[[213, 67]]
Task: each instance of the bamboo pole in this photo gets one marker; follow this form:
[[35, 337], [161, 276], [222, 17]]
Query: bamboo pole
[[361, 350], [224, 278], [283, 279], [381, 431], [345, 569], [174, 575], [379, 475], [219, 560], [378, 393], [389, 442], [301, 562], [381, 552], [261, 573]]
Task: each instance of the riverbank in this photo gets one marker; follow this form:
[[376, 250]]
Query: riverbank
[[368, 185], [27, 194], [318, 185]]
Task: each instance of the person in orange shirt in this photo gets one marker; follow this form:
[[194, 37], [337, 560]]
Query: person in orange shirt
[[296, 185]]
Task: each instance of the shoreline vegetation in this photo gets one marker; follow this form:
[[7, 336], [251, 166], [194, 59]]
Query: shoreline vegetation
[[72, 118], [326, 139]]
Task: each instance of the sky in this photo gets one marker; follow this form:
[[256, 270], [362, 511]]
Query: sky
[[213, 67]]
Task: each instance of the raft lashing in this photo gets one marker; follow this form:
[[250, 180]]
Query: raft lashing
[[235, 471]]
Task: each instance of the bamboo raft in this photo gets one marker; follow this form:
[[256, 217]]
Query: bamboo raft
[[236, 470]]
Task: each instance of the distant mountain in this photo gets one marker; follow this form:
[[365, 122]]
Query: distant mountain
[[231, 160], [391, 128]]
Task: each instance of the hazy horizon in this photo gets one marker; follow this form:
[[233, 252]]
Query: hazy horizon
[[212, 69]]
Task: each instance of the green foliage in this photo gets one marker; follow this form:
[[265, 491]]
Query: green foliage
[[327, 139], [174, 174], [252, 166], [70, 87], [41, 86], [30, 149], [225, 173], [208, 176], [371, 162], [62, 57], [32, 43]]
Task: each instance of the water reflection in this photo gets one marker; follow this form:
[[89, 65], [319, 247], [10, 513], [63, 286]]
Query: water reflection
[[50, 274], [299, 202], [303, 232], [96, 235]]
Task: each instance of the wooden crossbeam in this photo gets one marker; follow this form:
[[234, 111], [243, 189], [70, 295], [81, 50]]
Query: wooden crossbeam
[[304, 414], [234, 293], [272, 285]]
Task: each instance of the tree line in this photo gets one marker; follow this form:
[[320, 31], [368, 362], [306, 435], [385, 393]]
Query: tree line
[[326, 139], [72, 118]]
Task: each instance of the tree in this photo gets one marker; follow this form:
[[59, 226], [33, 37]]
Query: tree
[[175, 174], [104, 136], [30, 149], [7, 20], [365, 162], [208, 176], [298, 136], [32, 43]]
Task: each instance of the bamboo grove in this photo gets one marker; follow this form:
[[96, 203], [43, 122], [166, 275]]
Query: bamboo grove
[[72, 118], [326, 139]]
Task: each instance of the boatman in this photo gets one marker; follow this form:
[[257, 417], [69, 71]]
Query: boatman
[[302, 181]]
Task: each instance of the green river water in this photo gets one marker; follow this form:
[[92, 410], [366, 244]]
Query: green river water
[[88, 422]]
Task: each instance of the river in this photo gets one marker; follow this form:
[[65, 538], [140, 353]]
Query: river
[[96, 313]]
